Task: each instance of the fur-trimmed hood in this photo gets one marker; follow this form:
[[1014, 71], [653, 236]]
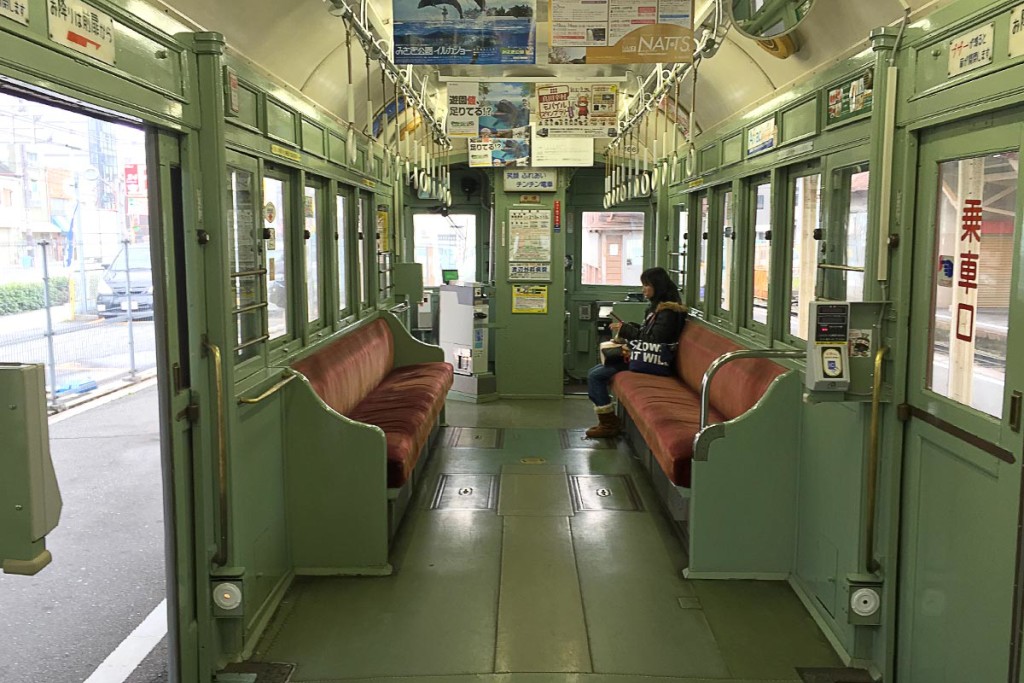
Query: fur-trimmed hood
[[671, 306]]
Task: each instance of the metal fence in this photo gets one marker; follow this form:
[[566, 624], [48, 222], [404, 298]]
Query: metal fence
[[87, 351]]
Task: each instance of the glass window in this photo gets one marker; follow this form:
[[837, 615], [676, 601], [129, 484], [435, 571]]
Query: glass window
[[702, 250], [728, 242], [245, 259], [762, 246], [275, 214], [613, 247], [681, 243], [855, 231], [804, 266], [342, 239], [975, 224], [310, 210], [362, 216], [445, 243]]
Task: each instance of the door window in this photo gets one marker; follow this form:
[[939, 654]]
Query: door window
[[975, 224], [702, 253]]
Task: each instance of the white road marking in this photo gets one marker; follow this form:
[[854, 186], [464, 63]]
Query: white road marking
[[120, 664]]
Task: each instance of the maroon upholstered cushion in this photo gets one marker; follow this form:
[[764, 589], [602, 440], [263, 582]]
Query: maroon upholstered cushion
[[346, 371], [666, 410], [406, 406], [667, 413], [737, 386]]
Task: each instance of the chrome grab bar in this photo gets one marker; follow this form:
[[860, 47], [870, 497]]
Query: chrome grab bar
[[221, 557], [399, 308], [718, 363], [288, 376]]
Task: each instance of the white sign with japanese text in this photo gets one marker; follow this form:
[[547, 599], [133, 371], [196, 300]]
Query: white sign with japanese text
[[531, 180], [971, 50], [761, 138], [563, 152], [1017, 31], [15, 9], [529, 272], [82, 28]]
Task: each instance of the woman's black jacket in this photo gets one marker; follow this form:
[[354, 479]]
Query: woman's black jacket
[[662, 325]]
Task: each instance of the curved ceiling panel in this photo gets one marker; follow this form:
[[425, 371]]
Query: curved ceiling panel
[[301, 43]]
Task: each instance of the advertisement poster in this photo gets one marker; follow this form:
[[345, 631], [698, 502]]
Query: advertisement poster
[[621, 31], [582, 110], [487, 109], [529, 298], [465, 31], [501, 151], [761, 138], [851, 99]]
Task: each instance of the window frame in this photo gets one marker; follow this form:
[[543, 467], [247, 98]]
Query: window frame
[[313, 329], [342, 226], [280, 346], [749, 326], [258, 361], [635, 206], [793, 174]]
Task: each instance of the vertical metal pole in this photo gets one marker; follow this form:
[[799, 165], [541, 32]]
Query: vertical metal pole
[[51, 361], [131, 315]]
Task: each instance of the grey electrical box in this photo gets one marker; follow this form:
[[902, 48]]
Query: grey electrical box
[[28, 487]]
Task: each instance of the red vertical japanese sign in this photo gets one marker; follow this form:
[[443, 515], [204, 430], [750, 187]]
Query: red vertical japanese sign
[[970, 237]]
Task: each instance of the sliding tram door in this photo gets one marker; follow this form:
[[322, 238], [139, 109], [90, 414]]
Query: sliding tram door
[[959, 610]]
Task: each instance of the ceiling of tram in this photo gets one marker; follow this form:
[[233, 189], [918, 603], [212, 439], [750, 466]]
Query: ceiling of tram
[[301, 43]]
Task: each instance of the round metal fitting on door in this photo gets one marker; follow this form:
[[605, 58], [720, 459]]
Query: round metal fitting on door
[[603, 492], [466, 491]]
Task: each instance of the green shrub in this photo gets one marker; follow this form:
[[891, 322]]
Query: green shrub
[[18, 297]]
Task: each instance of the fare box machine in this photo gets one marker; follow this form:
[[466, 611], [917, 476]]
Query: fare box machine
[[842, 341], [463, 334]]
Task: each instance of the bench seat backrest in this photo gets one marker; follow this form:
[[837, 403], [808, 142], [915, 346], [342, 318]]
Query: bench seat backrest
[[738, 386], [345, 371]]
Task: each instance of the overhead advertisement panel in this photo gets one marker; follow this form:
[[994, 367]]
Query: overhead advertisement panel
[[512, 150], [465, 31], [484, 109], [621, 31], [577, 110]]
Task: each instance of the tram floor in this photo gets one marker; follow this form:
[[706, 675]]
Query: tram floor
[[532, 554]]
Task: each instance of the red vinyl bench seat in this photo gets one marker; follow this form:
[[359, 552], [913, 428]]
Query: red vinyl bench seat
[[666, 410], [355, 376]]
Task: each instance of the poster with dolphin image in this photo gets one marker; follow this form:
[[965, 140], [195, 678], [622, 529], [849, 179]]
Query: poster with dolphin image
[[465, 31], [486, 109]]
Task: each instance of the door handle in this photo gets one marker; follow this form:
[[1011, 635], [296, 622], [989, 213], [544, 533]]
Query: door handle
[[1015, 401]]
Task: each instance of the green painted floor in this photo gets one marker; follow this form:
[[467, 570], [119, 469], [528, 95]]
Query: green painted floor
[[533, 588]]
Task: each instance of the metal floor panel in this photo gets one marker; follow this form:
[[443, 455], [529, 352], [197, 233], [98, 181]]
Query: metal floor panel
[[577, 438], [465, 492], [604, 492], [542, 492], [474, 437]]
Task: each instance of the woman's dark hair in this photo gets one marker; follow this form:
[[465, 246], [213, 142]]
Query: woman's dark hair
[[664, 288]]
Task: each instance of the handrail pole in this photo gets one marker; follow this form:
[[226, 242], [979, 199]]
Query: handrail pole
[[288, 377], [220, 558], [718, 363], [872, 564]]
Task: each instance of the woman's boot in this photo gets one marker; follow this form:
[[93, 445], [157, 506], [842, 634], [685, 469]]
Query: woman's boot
[[609, 426]]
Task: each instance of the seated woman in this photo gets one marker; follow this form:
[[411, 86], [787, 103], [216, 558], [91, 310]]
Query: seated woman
[[663, 324]]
